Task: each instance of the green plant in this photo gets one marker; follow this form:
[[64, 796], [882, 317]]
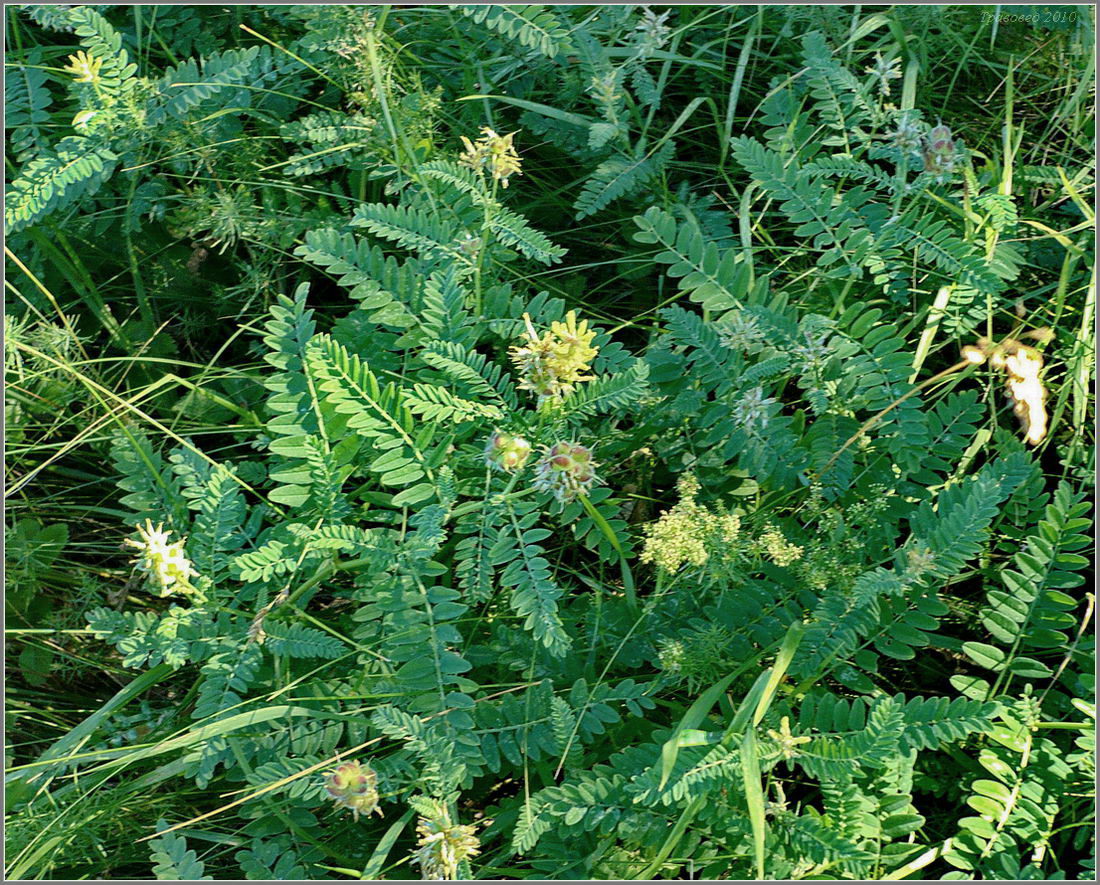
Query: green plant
[[547, 442]]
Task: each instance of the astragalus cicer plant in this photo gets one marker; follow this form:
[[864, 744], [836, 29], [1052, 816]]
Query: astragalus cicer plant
[[684, 552]]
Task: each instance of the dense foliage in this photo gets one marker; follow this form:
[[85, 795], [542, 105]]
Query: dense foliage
[[549, 442]]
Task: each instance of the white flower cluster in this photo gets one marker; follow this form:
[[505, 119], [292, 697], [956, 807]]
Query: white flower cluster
[[164, 561]]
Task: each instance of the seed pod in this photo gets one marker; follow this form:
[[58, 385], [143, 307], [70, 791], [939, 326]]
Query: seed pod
[[355, 786], [566, 469], [506, 452]]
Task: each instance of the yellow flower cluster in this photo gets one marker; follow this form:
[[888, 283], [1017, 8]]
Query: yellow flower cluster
[[1022, 365], [689, 532], [492, 151], [84, 68], [552, 364], [442, 846], [163, 560], [778, 549]]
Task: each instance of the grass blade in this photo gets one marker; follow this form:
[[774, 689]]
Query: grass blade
[[754, 796], [382, 850]]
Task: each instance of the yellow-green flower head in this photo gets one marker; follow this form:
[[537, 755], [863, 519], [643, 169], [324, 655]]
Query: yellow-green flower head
[[84, 68], [788, 742], [567, 469], [689, 532], [506, 452], [671, 656], [442, 846], [550, 365], [354, 786], [778, 549], [163, 560], [493, 152]]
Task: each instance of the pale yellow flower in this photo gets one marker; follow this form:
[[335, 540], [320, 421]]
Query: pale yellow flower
[[552, 364], [442, 846], [778, 549], [788, 743], [493, 152], [84, 68], [973, 355], [1022, 365], [688, 533], [1027, 392], [162, 560]]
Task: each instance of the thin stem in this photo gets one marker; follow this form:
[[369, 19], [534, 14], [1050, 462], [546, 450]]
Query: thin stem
[[875, 419]]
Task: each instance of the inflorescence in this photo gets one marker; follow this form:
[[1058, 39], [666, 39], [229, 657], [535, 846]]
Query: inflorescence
[[689, 532], [163, 560], [551, 365]]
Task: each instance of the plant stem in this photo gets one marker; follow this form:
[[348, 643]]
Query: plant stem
[[875, 419]]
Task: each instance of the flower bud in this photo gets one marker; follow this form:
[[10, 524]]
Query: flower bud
[[907, 136], [940, 154], [940, 139]]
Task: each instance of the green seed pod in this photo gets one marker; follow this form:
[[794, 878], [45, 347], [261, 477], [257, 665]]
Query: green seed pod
[[355, 786], [566, 469], [506, 452]]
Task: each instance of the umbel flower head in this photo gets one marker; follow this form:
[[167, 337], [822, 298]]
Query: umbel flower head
[[506, 452], [493, 152], [566, 469], [355, 786], [443, 845], [552, 364], [163, 560], [670, 655], [689, 532]]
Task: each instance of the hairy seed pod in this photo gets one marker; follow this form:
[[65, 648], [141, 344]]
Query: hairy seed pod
[[355, 786], [506, 452]]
